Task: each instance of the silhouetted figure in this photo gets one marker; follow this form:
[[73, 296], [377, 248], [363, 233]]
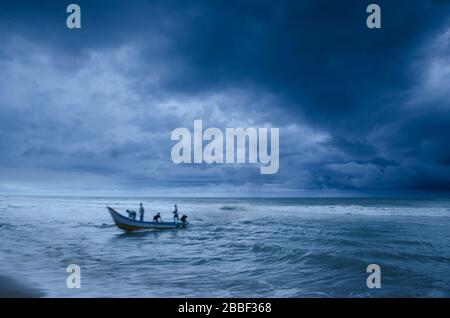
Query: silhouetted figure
[[175, 214], [184, 218], [141, 212], [131, 214], [157, 218]]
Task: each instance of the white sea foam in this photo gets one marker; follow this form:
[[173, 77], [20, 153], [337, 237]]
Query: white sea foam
[[236, 247]]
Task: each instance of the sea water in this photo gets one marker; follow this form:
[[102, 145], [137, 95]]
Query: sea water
[[234, 248]]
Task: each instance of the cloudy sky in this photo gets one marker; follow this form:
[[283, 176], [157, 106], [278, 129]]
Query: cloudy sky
[[91, 111]]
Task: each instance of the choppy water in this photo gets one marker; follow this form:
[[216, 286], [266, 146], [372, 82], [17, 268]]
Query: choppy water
[[236, 247]]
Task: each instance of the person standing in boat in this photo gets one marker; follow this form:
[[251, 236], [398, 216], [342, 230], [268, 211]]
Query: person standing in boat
[[141, 212], [175, 214], [157, 218]]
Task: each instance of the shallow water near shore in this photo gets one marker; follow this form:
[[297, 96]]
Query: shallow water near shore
[[234, 248]]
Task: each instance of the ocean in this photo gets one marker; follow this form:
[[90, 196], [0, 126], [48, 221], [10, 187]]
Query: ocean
[[235, 247]]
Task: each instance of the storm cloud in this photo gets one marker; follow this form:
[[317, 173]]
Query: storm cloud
[[91, 110]]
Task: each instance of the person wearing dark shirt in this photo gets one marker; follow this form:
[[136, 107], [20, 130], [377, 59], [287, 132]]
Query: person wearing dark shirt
[[175, 214], [131, 214], [157, 218], [141, 212]]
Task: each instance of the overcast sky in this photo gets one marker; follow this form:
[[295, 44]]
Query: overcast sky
[[91, 111]]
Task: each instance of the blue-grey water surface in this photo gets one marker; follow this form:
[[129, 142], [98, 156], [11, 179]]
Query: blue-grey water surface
[[235, 247]]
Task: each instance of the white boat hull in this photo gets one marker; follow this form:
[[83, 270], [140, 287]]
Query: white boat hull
[[127, 224]]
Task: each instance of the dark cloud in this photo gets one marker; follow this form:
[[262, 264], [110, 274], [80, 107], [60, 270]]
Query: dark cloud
[[357, 108]]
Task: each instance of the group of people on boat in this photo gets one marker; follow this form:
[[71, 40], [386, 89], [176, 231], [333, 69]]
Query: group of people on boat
[[157, 218]]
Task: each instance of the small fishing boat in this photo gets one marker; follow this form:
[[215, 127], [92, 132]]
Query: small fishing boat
[[128, 224]]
